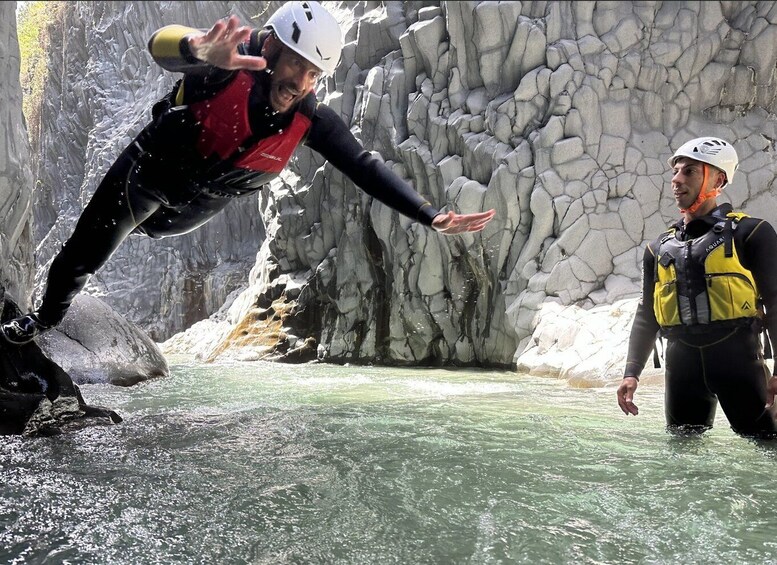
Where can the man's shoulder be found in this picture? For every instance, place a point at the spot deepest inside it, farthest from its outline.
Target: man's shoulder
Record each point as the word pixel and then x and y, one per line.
pixel 727 211
pixel 323 111
pixel 752 230
pixel 745 221
pixel 325 118
pixel 654 245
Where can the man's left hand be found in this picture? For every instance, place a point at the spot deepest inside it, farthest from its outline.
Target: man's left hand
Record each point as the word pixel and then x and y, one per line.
pixel 453 223
pixel 218 47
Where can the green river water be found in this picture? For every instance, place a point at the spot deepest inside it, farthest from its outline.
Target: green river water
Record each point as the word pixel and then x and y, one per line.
pixel 266 463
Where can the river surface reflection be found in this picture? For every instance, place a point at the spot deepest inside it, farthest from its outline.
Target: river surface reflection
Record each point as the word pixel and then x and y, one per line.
pixel 266 463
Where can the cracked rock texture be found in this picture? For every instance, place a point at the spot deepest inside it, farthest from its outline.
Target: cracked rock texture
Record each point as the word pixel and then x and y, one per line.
pixel 17 266
pixel 560 115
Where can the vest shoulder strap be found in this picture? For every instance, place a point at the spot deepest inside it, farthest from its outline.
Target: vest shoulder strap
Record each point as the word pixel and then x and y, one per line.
pixel 659 242
pixel 737 216
pixel 666 236
pixel 727 225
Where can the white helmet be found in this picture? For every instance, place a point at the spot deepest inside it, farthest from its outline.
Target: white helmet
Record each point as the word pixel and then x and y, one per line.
pixel 711 150
pixel 311 31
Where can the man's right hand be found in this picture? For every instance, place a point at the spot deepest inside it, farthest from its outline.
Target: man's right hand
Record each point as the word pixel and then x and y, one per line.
pixel 626 396
pixel 451 223
pixel 218 47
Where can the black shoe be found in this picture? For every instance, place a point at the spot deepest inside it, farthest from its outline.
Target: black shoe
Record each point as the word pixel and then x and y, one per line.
pixel 23 330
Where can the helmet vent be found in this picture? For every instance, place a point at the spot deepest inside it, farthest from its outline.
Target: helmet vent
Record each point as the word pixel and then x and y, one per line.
pixel 308 11
pixel 709 147
pixel 295 34
pixel 711 150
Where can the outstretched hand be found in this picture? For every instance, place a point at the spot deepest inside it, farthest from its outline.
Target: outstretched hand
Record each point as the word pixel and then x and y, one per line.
pixel 218 47
pixel 626 395
pixel 453 223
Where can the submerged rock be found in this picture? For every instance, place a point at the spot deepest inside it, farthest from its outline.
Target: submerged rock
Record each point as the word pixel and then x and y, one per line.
pixel 37 397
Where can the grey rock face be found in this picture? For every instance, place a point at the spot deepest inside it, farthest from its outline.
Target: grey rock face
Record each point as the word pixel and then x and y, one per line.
pixel 94 344
pixel 16 245
pixel 38 397
pixel 561 116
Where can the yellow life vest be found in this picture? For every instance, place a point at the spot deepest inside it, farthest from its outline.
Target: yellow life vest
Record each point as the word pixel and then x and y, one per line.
pixel 701 280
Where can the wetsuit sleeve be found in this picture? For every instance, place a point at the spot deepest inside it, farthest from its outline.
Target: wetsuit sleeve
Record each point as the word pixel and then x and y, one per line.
pixel 759 256
pixel 645 327
pixel 331 137
pixel 169 46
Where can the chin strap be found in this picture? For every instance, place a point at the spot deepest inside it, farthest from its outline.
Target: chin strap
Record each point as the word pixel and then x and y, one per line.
pixel 704 195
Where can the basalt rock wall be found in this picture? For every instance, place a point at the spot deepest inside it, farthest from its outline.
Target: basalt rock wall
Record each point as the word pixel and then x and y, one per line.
pixel 16 241
pixel 560 115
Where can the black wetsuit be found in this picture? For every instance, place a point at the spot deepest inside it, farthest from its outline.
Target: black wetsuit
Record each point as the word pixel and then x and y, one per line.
pixel 161 186
pixel 717 361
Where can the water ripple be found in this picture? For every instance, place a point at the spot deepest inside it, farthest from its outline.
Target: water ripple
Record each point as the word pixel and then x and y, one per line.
pixel 266 464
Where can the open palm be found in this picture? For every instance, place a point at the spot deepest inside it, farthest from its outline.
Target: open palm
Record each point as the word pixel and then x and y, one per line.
pixel 218 46
pixel 453 223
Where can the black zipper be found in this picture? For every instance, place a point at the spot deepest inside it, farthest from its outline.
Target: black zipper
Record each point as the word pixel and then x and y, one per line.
pixel 686 268
pixel 735 275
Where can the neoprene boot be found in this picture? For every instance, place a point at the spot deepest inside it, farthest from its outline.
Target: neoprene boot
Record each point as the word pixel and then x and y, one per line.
pixel 23 330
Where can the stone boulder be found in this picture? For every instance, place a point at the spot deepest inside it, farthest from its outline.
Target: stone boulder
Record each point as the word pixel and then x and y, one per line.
pixel 585 347
pixel 94 344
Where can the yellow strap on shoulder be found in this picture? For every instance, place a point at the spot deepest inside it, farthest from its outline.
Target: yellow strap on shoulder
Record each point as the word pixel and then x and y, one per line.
pixel 166 42
pixel 736 216
pixel 179 95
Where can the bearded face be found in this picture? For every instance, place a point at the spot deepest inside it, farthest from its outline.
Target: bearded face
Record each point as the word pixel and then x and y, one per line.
pixel 292 76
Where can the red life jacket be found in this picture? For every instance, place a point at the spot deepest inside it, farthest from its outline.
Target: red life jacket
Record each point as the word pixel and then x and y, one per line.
pixel 226 126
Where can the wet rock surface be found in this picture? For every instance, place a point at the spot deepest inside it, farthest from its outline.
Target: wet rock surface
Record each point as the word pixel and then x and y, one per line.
pixel 37 397
pixel 95 344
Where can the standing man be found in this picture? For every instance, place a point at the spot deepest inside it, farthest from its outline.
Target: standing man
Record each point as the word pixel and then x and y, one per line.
pixel 230 125
pixel 703 282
